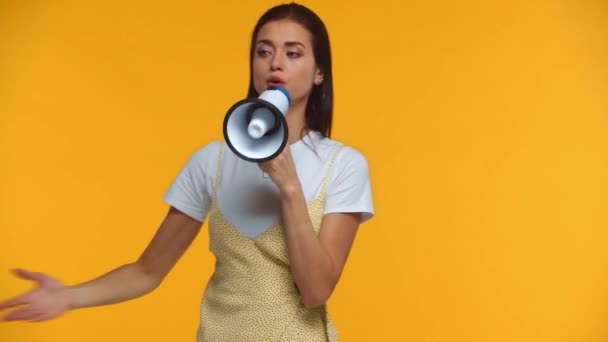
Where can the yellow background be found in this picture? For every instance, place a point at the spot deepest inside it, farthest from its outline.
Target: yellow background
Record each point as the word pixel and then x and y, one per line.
pixel 484 123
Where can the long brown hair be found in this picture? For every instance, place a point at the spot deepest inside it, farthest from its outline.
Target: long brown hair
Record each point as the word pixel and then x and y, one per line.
pixel 319 108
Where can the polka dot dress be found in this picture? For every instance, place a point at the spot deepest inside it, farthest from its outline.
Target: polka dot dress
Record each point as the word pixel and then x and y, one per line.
pixel 251 295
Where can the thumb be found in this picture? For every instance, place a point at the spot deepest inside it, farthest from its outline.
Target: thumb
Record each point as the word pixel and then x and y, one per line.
pixel 35 276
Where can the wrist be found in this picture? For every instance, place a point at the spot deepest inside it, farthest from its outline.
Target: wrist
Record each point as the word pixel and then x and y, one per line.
pixel 69 295
pixel 291 190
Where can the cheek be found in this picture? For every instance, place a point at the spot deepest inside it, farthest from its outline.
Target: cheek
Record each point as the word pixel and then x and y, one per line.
pixel 305 80
pixel 258 78
pixel 255 68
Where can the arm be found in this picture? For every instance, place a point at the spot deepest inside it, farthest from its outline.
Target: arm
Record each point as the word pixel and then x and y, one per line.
pixel 316 261
pixel 51 299
pixel 136 279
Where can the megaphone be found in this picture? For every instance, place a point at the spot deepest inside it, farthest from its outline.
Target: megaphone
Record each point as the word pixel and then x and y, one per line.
pixel 255 129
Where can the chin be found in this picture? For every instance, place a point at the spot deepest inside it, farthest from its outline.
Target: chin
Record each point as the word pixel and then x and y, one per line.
pixel 259 90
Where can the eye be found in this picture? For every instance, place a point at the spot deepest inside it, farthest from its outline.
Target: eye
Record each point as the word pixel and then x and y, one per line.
pixel 293 54
pixel 263 52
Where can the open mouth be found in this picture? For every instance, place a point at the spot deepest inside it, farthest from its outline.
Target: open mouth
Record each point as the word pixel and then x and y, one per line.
pixel 275 81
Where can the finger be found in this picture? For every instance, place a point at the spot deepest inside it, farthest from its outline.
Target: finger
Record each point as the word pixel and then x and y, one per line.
pixel 264 166
pixel 20 315
pixel 39 317
pixel 13 302
pixel 35 276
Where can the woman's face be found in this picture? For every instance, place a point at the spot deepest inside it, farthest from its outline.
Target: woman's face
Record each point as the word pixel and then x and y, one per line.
pixel 283 55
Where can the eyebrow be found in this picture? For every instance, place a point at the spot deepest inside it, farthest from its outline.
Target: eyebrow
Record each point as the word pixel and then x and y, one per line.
pixel 269 42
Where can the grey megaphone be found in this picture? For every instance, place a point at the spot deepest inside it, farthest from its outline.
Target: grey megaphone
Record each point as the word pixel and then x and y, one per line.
pixel 255 129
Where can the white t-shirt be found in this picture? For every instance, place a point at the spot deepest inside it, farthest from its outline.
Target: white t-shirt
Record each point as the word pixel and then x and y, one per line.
pixel 250 200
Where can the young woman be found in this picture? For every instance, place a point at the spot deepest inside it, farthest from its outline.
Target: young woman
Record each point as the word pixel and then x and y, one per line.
pixel 280 230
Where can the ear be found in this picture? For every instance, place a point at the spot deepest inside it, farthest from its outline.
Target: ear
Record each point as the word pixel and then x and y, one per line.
pixel 318 77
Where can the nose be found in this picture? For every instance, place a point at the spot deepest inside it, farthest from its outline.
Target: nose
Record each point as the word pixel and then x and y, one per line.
pixel 277 62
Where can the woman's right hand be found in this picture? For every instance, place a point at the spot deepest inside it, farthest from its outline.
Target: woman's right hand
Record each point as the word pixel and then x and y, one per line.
pixel 47 301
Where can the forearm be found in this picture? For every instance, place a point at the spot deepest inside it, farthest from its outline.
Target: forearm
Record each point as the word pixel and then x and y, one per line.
pixel 311 265
pixel 123 283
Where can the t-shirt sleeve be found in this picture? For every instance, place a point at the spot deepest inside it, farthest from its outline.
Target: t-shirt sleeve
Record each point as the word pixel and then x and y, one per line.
pixel 191 190
pixel 349 188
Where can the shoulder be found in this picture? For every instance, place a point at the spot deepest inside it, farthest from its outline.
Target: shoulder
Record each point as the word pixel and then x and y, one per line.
pixel 347 156
pixel 206 157
pixel 353 157
pixel 349 185
pixel 208 151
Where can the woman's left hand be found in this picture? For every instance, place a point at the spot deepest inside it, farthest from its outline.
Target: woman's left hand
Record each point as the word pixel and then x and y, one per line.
pixel 282 171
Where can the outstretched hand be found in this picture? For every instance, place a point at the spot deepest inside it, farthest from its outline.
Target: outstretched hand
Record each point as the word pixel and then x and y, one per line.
pixel 47 301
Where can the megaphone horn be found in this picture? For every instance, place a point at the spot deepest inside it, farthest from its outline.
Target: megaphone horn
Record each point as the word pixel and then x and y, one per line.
pixel 255 129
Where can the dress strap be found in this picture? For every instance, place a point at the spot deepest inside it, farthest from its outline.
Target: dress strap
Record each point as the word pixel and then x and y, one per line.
pixel 218 174
pixel 331 164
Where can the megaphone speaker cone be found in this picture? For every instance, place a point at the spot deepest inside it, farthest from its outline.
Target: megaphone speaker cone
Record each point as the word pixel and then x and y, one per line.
pixel 255 129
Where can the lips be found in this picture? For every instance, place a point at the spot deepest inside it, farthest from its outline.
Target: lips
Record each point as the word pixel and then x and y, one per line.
pixel 275 81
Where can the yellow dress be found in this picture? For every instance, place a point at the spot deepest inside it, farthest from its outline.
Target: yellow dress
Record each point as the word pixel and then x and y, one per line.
pixel 252 295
